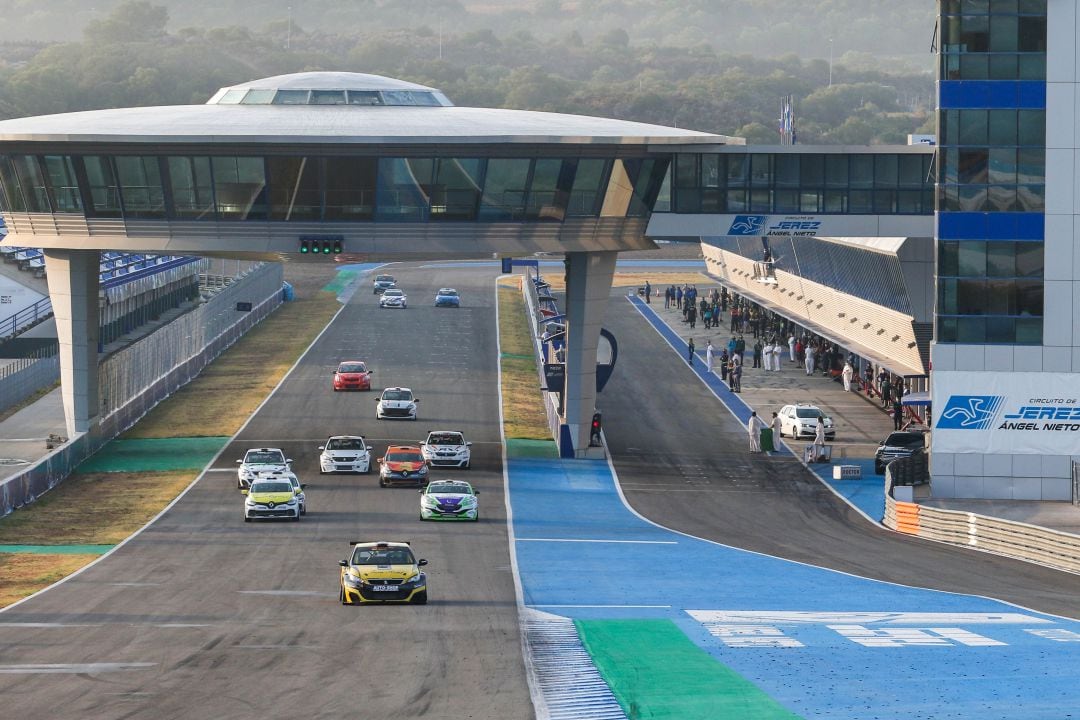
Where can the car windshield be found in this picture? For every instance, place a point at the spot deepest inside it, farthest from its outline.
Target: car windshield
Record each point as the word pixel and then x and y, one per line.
pixel 904 439
pixel 808 413
pixel 272 487
pixel 445 292
pixel 459 488
pixel 445 439
pixel 345 444
pixel 397 395
pixel 384 278
pixel 351 368
pixel 382 556
pixel 393 293
pixel 264 458
pixel 404 456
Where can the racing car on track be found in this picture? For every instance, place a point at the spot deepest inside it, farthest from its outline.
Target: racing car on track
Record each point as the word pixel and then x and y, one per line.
pixel 447 297
pixel 447 448
pixel 383 283
pixel 259 460
pixel 379 572
pixel 396 402
pixel 352 375
pixel 394 298
pixel 402 464
pixel 271 498
pixel 449 500
pixel 345 453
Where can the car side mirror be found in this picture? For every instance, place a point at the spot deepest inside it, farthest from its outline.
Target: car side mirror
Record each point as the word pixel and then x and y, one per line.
pixel 468 443
pixel 243 491
pixel 475 492
pixel 423 444
pixel 322 447
pixel 288 460
pixel 238 462
pixel 421 491
pixel 421 563
pixel 303 485
pixel 416 399
pixel 370 372
pixel 343 563
pixel 378 399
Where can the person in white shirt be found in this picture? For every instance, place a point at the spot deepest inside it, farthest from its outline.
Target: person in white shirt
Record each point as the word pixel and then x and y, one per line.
pixel 819 439
pixel 753 426
pixel 766 356
pixel 848 374
pixel 809 359
pixel 708 357
pixel 791 347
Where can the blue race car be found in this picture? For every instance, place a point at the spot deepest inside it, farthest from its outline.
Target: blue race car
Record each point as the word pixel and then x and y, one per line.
pixel 447 297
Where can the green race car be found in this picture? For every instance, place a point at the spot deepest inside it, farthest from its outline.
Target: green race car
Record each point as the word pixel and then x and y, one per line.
pixel 449 500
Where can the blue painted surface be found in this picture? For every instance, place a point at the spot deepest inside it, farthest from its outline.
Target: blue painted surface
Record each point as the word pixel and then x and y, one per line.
pixel 991 226
pixel 988 94
pixel 662 574
pixel 866 493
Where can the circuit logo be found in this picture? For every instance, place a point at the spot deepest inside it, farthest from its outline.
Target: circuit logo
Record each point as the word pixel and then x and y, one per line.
pixel 748 225
pixel 970 412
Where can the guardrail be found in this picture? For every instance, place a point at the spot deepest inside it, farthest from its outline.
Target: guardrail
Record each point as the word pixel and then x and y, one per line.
pixel 41 310
pixel 1052 548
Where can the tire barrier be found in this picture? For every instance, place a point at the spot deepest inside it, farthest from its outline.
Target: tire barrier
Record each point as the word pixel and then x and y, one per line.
pixel 1044 546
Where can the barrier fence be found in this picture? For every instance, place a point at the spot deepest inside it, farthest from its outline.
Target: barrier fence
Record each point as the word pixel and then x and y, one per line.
pixel 134 380
pixel 1004 537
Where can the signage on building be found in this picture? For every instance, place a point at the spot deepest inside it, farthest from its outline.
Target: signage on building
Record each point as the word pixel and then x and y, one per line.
pixel 775 225
pixel 1011 414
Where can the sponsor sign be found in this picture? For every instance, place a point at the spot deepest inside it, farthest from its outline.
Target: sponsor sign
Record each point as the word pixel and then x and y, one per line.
pixel 775 226
pixel 1006 413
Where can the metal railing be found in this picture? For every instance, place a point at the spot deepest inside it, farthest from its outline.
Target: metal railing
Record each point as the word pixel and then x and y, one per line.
pixel 27 317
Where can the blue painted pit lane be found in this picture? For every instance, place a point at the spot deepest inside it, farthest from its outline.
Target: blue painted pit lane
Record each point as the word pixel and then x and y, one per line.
pixel 820 642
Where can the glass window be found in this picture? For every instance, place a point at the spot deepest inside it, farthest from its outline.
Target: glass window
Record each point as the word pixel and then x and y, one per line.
pixel 294 188
pixel 972 198
pixel 1029 298
pixel 33 183
pixel 1000 329
pixel 760 201
pixel 12 186
pixel 365 97
pixel 974 33
pixel 327 97
pixel 1032 127
pixel 812 171
pixel 862 171
pixel 972 165
pixel 1003 34
pixel 810 201
pixel 1004 67
pixel 647 175
pixel 738 169
pixel 549 190
pixel 885 202
pixel 425 99
pixel 1032 67
pixel 140 186
pixel 505 188
pixel 911 171
pixel 456 191
pixel 62 182
pixel 663 200
pixel 948 258
pixel 836 171
pixel 1031 34
pixel 946 329
pixel 1001 166
pixel 760 170
pixel 1001 198
pixel 239 187
pixel 860 202
pixel 1003 7
pixel 585 193
pixel 835 201
pixel 971 259
pixel 1029 259
pixel 950 127
pixel 1002 127
pixel 1001 259
pixel 971 297
pixel 103 188
pixel 947 297
pixel 1029 331
pixel 1031 166
pixel 972 127
pixel 232 97
pixel 786 170
pixel 351 188
pixel 885 171
pixel 403 189
pixel 786 201
pixel 398 97
pixel 686 170
pixel 711 166
pixel 1031 198
pixel 971 330
pixel 192 187
pixel 258 97
pixel 291 97
pixel 737 200
pixel 974 66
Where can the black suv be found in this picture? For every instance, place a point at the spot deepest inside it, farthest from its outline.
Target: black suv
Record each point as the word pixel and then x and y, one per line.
pixel 898 445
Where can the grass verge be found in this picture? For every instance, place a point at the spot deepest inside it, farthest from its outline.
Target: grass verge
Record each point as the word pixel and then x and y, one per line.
pixel 105 508
pixel 523 406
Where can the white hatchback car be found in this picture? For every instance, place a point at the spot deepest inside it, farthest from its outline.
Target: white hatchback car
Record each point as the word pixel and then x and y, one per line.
pixel 260 460
pixel 345 453
pixel 396 402
pixel 447 448
pixel 393 298
pixel 800 421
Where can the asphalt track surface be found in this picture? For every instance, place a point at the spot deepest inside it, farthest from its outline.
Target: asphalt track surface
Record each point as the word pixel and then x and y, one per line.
pixel 205 616
pixel 682 460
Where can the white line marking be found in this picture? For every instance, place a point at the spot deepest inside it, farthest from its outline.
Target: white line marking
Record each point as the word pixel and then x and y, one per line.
pixel 863 618
pixel 576 540
pixel 70 668
pixel 287 593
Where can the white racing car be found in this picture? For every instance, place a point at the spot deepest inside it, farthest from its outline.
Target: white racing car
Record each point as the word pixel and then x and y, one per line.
pixel 260 460
pixel 345 453
pixel 393 298
pixel 447 448
pixel 396 402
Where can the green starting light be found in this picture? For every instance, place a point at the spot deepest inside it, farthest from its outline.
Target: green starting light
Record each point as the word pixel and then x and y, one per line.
pixel 337 247
pixel 326 248
pixel 305 247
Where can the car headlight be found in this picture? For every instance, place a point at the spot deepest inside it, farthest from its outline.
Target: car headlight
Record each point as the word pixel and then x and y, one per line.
pixel 414 579
pixel 423 470
pixel 291 501
pixel 428 501
pixel 250 503
pixel 468 501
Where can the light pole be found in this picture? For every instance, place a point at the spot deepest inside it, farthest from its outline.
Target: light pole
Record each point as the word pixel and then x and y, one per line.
pixel 830 62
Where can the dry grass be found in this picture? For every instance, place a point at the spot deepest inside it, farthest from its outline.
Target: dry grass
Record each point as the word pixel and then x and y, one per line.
pixel 523 403
pixel 25 574
pixel 121 503
pixel 658 279
pixel 245 374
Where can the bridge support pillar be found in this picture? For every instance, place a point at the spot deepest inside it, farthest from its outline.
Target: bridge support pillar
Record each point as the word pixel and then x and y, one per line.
pixel 588 286
pixel 73 288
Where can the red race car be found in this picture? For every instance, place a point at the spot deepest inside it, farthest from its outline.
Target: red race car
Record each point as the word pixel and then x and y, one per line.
pixel 402 464
pixel 352 375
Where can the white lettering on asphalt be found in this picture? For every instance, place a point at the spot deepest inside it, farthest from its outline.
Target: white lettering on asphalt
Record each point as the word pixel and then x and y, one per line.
pixel 1057 635
pixel 864 618
pixel 757 636
pixel 903 637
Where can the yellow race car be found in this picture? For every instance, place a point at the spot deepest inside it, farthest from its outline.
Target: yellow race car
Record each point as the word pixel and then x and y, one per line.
pixel 271 497
pixel 380 572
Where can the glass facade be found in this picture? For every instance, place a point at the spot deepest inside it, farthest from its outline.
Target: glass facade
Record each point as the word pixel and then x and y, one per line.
pixel 992 171
pixel 338 188
pixel 856 184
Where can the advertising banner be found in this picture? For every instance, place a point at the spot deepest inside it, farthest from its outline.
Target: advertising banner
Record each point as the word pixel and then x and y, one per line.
pixel 1006 413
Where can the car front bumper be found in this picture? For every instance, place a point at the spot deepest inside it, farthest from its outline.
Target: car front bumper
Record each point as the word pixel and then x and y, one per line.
pixel 404 478
pixel 369 592
pixel 353 466
pixel 453 461
pixel 281 511
pixel 437 514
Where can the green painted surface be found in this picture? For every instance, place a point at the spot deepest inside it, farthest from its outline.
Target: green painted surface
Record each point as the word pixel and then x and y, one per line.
pixel 655 671
pixel 57 549
pixel 516 448
pixel 519 357
pixel 341 281
pixel 154 455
